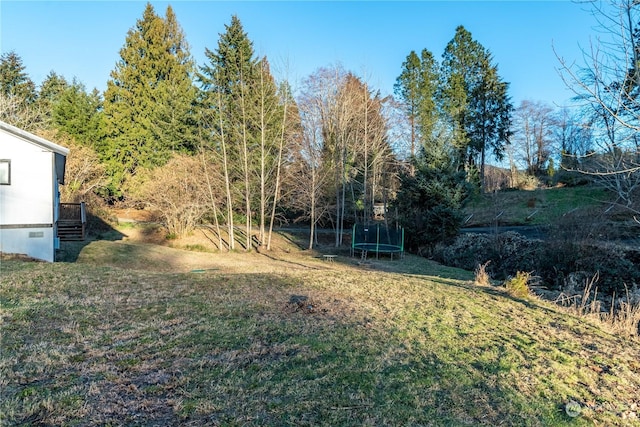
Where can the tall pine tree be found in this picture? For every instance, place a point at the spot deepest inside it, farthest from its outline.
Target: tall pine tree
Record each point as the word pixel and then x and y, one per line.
pixel 417 87
pixel 18 96
pixel 430 81
pixel 491 108
pixel 460 73
pixel 14 81
pixel 148 104
pixel 227 81
pixel 51 89
pixel 408 89
pixel 476 101
pixel 78 113
pixel 175 124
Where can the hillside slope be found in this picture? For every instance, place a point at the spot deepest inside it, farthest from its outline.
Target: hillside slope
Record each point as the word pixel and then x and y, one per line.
pixel 537 207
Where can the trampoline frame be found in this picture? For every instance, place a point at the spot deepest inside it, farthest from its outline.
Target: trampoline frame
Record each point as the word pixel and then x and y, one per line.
pixel 377 247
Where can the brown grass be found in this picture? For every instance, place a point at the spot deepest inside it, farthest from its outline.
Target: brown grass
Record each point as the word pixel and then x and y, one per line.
pixel 623 317
pixel 482 277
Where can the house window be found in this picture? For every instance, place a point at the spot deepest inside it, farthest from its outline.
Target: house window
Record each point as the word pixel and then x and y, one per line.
pixel 5 172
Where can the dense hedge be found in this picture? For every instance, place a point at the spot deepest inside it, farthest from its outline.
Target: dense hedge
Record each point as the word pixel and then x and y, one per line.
pixel 554 262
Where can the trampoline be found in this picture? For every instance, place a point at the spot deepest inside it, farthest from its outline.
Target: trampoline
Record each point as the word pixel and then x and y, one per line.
pixel 377 238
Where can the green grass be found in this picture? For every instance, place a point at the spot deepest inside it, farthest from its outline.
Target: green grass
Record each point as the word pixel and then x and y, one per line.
pixel 536 207
pixel 398 343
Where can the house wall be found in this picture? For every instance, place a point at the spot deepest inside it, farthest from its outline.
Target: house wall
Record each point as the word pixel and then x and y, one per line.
pixel 27 205
pixel 34 242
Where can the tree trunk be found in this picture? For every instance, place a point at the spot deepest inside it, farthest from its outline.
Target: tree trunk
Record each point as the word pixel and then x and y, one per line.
pixel 278 168
pixel 263 154
pixel 227 180
pixel 313 207
pixel 245 161
pixel 211 198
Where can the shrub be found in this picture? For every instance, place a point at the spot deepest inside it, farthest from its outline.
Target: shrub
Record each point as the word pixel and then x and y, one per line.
pixel 556 262
pixel 508 252
pixel 616 265
pixel 429 205
pixel 466 251
pixel 518 286
pixel 528 182
pixel 177 191
pixel 623 315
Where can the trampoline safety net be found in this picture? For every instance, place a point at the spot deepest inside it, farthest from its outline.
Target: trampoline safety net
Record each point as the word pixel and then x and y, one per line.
pixel 377 238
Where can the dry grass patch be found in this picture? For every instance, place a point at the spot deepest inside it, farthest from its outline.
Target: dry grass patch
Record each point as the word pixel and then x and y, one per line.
pixel 482 277
pixel 295 341
pixel 623 317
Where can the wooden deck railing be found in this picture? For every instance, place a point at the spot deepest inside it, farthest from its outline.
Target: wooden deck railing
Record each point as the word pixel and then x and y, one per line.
pixel 73 212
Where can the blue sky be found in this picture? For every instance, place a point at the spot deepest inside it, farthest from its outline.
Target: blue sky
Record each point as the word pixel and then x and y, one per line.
pixel 82 38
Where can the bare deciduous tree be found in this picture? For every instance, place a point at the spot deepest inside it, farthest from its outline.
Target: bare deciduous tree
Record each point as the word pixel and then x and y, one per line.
pixel 572 132
pixel 290 136
pixel 177 192
pixel 311 174
pixel 84 173
pixel 27 116
pixel 323 95
pixel 206 158
pixel 533 128
pixel 345 153
pixel 607 86
pixel 215 157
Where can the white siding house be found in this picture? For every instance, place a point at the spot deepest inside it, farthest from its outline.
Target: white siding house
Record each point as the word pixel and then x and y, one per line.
pixel 31 168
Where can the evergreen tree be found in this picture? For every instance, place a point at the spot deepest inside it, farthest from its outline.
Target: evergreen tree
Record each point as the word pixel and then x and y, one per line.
pixel 78 113
pixel 430 82
pixel 475 100
pixel 429 203
pixel 491 110
pixel 232 64
pixel 18 96
pixel 417 87
pixel 175 122
pixel 148 104
pixel 407 88
pixel 51 88
pixel 50 91
pixel 460 73
pixel 14 81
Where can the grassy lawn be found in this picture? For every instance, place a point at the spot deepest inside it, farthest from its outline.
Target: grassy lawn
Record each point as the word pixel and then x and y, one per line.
pixel 130 335
pixel 536 207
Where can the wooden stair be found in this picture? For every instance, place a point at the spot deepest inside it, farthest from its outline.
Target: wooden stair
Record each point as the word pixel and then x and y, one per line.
pixel 70 230
pixel 72 221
